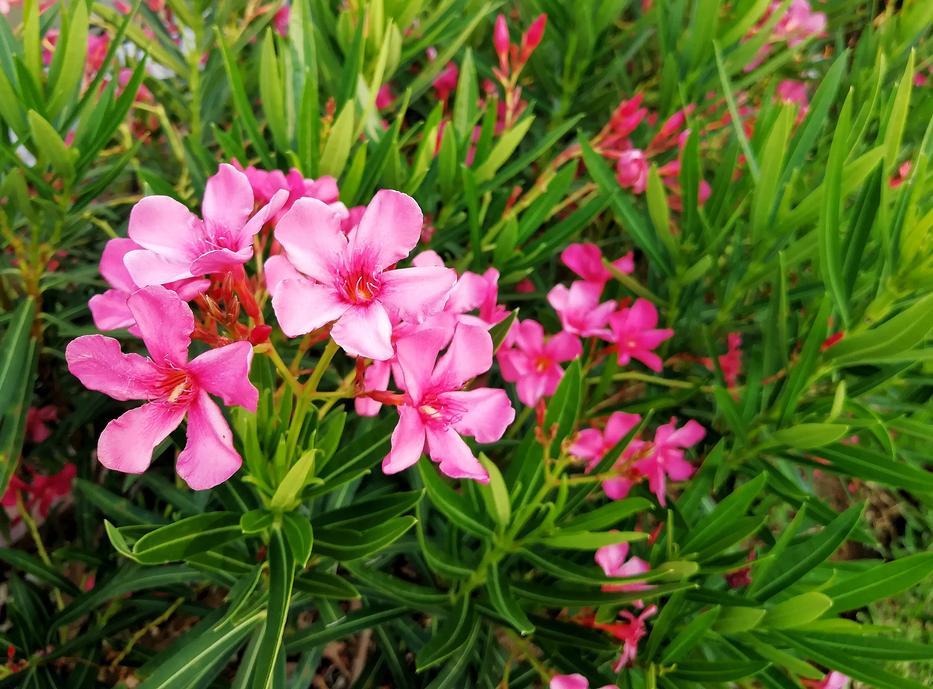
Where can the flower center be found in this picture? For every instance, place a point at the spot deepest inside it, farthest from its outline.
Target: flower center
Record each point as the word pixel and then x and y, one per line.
pixel 438 412
pixel 542 363
pixel 176 386
pixel 358 281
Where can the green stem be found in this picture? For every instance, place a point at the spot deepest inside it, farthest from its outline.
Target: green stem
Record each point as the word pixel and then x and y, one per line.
pixel 321 366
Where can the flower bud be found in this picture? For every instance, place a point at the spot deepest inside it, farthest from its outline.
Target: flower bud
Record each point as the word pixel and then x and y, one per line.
pixel 632 170
pixel 500 37
pixel 532 38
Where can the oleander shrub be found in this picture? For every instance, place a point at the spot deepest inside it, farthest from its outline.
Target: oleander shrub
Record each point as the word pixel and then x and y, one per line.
pixel 454 344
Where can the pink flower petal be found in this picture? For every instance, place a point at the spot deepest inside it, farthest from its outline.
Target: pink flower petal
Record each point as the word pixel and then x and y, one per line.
pixel 225 372
pixel 390 226
pixel 564 347
pixel 454 456
pixel 365 331
pixel 220 261
pixel 488 413
pixel 228 198
pixel 99 364
pixel 575 681
pixel 416 354
pixel 263 215
pixel 376 377
pixel 469 355
pixel 619 424
pixel 302 306
pixel 111 264
pixel 311 236
pixel 588 445
pixel 276 269
pixel 150 268
pixel 165 323
pixel 688 435
pixel 427 258
pixel 163 225
pixel 407 442
pixel 110 311
pixel 127 442
pixel 416 293
pixel 208 458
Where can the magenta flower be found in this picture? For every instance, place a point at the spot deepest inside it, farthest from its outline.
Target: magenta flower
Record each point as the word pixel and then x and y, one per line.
pixel 173 388
pixel 586 260
pixel 666 456
pixel 265 184
pixel 574 681
pixel 348 280
pixel 533 362
pixel 832 680
pixel 634 334
pixel 791 91
pixel 730 362
pixel 632 170
pixel 579 309
pixel 437 411
pixel 615 562
pixel 629 633
pixel 176 244
pixel 591 444
pixel 109 309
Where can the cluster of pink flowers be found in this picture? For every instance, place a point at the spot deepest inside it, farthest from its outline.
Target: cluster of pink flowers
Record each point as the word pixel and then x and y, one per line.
pixel 39 493
pixel 574 681
pixel 533 360
pixel 658 460
pixel 332 273
pixel 798 23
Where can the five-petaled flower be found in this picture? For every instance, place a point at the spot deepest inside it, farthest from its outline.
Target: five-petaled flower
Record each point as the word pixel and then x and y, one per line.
pixel 172 387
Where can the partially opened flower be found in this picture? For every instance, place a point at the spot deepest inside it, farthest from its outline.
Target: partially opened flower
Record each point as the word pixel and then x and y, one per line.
pixel 615 562
pixel 666 456
pixel 586 260
pixel 348 280
pixel 629 633
pixel 533 362
pixel 177 244
pixel 173 388
pixel 436 410
pixel 635 335
pixel 591 444
pixel 580 310
pixel 632 170
pixel 831 680
pixel 266 183
pixel 574 681
pixel 109 309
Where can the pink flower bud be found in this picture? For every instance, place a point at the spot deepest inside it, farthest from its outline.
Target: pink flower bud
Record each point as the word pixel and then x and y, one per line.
pixel 535 33
pixel 632 170
pixel 500 37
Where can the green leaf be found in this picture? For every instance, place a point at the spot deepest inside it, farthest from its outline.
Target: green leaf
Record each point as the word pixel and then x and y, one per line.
pixel 495 494
pixel 466 97
pixel 281 578
pixel 256 521
pixel 187 537
pixel 767 191
pixel 17 371
pixel 451 634
pixel 734 620
pixel 395 589
pixel 718 671
pixel 564 407
pixel 51 147
pixel 831 258
pixel 325 585
pixel 875 466
pixel 871 646
pixel 32 565
pixel 452 505
pixel 322 633
pixel 689 636
pixel 607 516
pixel 801 558
pixel 809 435
pixel 300 537
pixel 370 512
pixel 270 91
pixel 337 149
pixel 720 520
pixel 287 492
pixel 504 148
pixel 578 596
pixel 499 331
pixel 658 210
pixel 897 334
pixel 347 544
pixel 797 611
pixel 505 603
pixel 590 540
pixel 882 581
pixel 67 66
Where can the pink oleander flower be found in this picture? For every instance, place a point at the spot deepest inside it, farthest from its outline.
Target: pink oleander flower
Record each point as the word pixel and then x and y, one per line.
pixel 574 681
pixel 446 82
pixel 384 97
pixel 791 91
pixel 37 420
pixel 629 633
pixel 109 309
pixel 665 458
pixel 615 562
pixel 41 492
pixel 632 170
pixel 580 310
pixel 591 444
pixel 178 245
pixel 730 362
pixel 173 388
pixel 635 335
pixel 627 116
pixel 280 21
pixel 437 411
pixel 903 172
pixel 472 292
pixel 533 362
pixel 348 280
pixel 586 260
pixel 832 680
pixel 266 183
pixel 799 23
